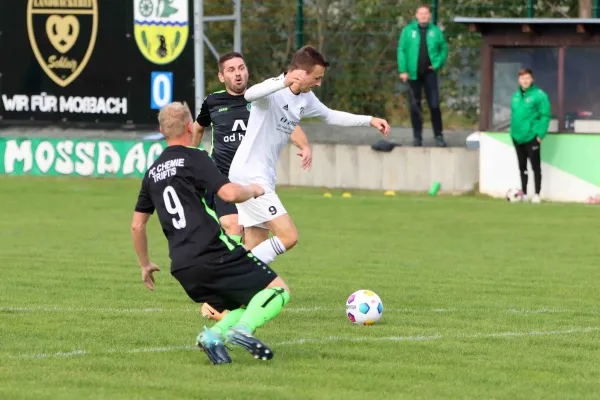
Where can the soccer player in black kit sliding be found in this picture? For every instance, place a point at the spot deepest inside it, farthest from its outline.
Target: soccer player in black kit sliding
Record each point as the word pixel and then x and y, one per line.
pixel 227 112
pixel 207 263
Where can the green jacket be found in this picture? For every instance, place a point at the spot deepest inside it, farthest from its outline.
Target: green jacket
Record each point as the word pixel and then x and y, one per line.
pixel 531 113
pixel 410 42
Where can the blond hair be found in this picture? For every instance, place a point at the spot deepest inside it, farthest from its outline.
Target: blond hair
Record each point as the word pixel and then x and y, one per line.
pixel 174 119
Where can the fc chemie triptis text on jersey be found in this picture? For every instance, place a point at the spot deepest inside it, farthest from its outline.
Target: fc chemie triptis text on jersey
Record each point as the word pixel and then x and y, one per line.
pixel 174 186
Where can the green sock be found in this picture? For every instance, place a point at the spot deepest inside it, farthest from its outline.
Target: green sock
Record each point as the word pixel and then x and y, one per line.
pixel 236 238
pixel 229 320
pixel 263 307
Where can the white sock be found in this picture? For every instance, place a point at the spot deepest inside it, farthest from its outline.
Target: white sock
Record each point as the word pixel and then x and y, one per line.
pixel 268 250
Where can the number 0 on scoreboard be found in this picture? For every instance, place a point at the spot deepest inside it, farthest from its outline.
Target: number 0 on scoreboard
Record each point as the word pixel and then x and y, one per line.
pixel 161 89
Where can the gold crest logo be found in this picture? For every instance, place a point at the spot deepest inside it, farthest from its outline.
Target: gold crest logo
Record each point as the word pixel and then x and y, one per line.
pixel 161 28
pixel 62 34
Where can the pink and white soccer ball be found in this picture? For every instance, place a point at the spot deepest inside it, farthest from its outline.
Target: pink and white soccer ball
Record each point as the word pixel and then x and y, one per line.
pixel 364 307
pixel 514 195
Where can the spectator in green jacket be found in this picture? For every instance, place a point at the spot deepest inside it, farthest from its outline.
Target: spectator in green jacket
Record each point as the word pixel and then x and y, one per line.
pixel 422 51
pixel 530 118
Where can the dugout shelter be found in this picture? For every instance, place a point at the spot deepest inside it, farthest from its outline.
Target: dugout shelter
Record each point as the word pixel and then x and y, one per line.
pixel 564 55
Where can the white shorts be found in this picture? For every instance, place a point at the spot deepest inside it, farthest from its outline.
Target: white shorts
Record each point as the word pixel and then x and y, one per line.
pixel 255 212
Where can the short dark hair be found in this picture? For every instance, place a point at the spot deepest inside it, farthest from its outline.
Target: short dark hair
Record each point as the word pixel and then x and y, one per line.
pixel 525 71
pixel 307 58
pixel 229 56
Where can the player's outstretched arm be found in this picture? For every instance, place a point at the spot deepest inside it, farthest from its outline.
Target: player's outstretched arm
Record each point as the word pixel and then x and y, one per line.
pixel 235 193
pixel 381 125
pixel 264 89
pixel 342 118
pixel 140 243
pixel 272 85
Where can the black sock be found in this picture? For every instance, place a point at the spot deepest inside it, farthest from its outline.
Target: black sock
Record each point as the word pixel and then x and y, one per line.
pixel 524 180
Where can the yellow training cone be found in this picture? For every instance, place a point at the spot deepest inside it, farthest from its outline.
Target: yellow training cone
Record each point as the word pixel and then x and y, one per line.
pixel 346 194
pixel 389 193
pixel 327 194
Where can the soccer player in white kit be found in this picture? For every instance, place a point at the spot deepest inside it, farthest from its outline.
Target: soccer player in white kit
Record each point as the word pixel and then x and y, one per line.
pixel 277 106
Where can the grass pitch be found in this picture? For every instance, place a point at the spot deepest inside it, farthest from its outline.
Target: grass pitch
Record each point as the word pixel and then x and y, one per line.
pixel 482 300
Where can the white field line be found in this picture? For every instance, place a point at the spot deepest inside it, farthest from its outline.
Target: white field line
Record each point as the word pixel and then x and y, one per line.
pixel 18 309
pixel 158 310
pixel 328 339
pixel 544 311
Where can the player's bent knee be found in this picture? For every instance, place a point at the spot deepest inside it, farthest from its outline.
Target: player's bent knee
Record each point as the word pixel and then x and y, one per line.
pixel 289 238
pixel 230 225
pixel 233 229
pixel 253 236
pixel 283 227
pixel 279 283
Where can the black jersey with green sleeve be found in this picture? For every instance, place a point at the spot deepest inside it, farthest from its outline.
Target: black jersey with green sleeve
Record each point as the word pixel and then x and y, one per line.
pixel 174 187
pixel 228 115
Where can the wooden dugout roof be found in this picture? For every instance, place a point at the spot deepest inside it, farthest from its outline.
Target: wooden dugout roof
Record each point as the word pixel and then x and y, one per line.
pixel 528 32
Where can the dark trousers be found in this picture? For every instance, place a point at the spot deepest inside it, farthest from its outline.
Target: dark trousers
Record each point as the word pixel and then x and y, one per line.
pixel 531 151
pixel 429 82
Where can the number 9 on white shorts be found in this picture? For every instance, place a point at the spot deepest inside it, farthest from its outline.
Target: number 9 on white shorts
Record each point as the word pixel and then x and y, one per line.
pixel 255 212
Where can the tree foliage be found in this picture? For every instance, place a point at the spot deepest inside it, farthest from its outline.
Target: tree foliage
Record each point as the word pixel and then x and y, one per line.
pixel 360 38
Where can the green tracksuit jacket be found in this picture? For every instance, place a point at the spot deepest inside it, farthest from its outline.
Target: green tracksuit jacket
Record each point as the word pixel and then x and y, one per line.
pixel 531 113
pixel 409 44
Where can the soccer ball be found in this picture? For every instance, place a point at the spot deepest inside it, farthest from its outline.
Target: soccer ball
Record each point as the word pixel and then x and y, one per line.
pixel 364 307
pixel 514 195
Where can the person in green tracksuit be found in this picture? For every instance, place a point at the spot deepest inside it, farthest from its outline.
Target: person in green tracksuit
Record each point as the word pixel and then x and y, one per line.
pixel 422 51
pixel 530 118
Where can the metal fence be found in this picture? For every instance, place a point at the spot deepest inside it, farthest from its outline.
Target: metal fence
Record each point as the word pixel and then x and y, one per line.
pixel 360 38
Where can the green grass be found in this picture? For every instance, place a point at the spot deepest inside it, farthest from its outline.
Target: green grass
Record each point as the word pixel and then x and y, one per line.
pixel 482 300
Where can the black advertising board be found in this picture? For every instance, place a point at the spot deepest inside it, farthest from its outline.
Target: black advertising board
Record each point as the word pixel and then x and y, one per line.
pixel 94 62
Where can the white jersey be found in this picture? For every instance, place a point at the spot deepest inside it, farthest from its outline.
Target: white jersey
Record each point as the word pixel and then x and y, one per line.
pixel 275 112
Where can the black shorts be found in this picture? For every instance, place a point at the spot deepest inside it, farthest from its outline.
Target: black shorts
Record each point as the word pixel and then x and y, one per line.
pixel 227 284
pixel 220 206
